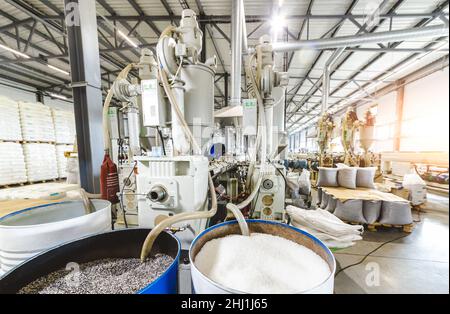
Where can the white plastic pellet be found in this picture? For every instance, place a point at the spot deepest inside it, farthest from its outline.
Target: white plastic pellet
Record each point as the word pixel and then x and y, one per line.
pixel 261 263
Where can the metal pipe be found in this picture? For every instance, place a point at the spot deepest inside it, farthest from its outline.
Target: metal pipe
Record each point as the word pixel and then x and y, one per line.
pixel 133 131
pixel 326 77
pixel 244 28
pixel 236 53
pixel 370 38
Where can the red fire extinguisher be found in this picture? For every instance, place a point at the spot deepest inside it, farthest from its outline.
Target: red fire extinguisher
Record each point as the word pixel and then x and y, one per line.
pixel 109 180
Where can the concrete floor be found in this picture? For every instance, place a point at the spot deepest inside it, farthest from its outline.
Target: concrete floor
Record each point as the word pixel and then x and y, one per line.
pixel 418 263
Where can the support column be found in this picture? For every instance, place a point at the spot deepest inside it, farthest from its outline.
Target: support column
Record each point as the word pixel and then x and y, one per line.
pixel 39 96
pixel 399 116
pixel 81 23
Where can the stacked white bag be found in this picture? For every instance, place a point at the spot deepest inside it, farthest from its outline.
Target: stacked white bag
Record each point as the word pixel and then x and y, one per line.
pixel 10 129
pixel 40 161
pixel 61 159
pixel 12 164
pixel 64 121
pixel 37 122
pixel 325 226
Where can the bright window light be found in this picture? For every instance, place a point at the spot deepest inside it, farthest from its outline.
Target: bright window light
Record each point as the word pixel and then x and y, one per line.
pixel 278 23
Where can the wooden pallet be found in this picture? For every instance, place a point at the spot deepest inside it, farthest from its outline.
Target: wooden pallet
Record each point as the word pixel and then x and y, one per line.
pixel 15 185
pixel 7 186
pixel 5 141
pixel 38 142
pixel 373 227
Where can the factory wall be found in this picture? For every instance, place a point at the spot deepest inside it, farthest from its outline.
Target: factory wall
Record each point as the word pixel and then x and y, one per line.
pixel 425 123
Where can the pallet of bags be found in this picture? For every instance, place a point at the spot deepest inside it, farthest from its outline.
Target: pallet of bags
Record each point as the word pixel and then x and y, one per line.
pixel 37 122
pixel 61 159
pixel 12 164
pixel 64 122
pixel 40 161
pixel 10 129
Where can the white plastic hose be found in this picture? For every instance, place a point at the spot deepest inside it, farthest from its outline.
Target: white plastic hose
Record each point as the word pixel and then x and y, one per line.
pixel 236 209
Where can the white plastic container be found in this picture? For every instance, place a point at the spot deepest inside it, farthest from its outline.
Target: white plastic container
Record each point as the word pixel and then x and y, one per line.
pixel 31 231
pixel 203 285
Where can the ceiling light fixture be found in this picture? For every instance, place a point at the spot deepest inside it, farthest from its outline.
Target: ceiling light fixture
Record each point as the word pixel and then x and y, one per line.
pixel 128 39
pixel 14 51
pixel 62 97
pixel 58 69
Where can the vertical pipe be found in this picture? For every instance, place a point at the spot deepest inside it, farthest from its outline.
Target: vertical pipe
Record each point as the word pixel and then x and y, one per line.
pixel 236 53
pixel 181 145
pixel 133 131
pixel 399 115
pixel 244 27
pixel 226 88
pixel 326 78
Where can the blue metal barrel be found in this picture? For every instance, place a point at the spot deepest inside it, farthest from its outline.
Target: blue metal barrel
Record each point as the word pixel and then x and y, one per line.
pixel 116 244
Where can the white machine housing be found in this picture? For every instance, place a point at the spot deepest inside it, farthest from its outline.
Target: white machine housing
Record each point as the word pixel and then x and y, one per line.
pixel 182 181
pixel 269 203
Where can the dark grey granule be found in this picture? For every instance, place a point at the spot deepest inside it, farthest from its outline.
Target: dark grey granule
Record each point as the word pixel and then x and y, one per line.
pixel 107 276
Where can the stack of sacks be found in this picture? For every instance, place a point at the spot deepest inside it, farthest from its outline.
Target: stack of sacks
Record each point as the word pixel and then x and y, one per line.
pixel 347 177
pixel 40 161
pixel 61 159
pixel 10 122
pixel 12 164
pixel 37 122
pixel 325 226
pixel 64 121
pixel 355 210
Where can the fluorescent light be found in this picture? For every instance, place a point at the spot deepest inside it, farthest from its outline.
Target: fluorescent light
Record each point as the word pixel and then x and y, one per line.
pixel 280 3
pixel 121 34
pixel 15 51
pixel 58 96
pixel 127 38
pixel 58 69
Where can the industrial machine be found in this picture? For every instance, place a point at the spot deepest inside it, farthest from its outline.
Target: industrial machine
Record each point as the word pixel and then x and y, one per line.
pixel 268 177
pixel 349 127
pixel 325 129
pixel 170 151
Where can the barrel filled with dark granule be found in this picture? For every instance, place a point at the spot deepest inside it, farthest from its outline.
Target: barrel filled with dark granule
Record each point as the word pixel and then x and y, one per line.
pixel 106 263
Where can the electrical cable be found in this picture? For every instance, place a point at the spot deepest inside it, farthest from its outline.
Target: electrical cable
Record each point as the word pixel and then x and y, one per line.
pixel 162 140
pixel 370 253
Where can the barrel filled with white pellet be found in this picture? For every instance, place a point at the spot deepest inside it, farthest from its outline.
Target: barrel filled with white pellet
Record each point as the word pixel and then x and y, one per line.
pixel 276 258
pixel 28 232
pixel 105 263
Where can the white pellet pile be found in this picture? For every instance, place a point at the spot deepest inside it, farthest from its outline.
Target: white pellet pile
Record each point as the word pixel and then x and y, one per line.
pixel 61 159
pixel 40 161
pixel 64 121
pixel 12 164
pixel 261 263
pixel 10 129
pixel 37 122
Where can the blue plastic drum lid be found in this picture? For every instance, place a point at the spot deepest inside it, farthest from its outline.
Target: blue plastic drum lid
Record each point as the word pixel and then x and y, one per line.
pixel 116 244
pixel 202 284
